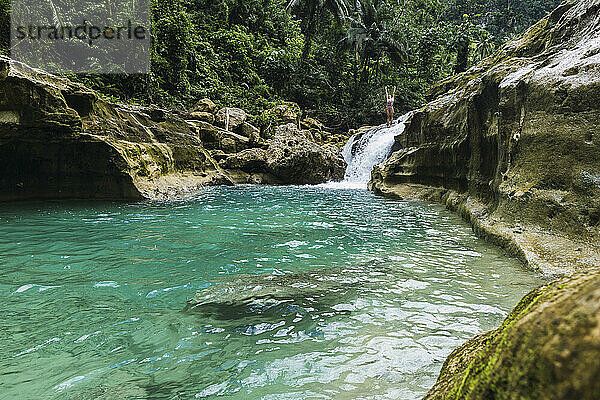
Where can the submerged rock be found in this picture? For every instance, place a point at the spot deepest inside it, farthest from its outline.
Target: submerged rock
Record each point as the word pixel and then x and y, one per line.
pixel 291 158
pixel 512 144
pixel 256 294
pixel 547 348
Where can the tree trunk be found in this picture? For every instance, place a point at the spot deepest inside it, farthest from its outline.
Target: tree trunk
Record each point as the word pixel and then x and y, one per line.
pixel 309 31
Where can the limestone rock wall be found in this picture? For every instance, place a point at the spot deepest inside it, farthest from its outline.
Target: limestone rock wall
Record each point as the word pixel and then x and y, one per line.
pixel 513 143
pixel 59 139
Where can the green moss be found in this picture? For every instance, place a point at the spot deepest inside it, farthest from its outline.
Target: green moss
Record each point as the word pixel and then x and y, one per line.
pixel 480 371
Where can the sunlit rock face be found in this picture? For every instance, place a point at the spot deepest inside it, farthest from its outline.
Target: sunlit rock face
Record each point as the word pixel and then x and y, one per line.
pixel 60 140
pixel 291 157
pixel 513 143
pixel 547 348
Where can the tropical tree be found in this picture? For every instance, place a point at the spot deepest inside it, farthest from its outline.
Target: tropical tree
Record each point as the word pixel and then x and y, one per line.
pixel 370 37
pixel 484 47
pixel 463 36
pixel 311 11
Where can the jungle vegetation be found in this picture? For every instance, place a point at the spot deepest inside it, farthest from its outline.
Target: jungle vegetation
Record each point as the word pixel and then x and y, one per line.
pixel 332 57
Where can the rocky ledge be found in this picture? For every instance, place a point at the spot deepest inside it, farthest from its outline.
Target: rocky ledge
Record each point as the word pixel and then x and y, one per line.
pixel 512 144
pixel 547 348
pixel 59 139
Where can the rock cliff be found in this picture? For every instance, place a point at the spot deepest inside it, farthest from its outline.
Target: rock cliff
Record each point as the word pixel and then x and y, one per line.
pixel 512 144
pixel 59 139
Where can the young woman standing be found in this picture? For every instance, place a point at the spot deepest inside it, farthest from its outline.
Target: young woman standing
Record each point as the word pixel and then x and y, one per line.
pixel 390 106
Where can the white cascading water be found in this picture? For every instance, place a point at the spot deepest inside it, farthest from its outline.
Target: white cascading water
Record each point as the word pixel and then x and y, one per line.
pixel 367 149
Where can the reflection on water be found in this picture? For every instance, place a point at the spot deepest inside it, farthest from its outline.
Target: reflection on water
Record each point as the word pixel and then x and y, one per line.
pixel 302 293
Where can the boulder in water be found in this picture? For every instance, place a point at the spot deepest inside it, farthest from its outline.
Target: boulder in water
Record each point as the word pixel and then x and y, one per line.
pixel 291 158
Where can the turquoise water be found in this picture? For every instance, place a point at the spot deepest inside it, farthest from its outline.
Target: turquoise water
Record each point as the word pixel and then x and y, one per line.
pixel 375 294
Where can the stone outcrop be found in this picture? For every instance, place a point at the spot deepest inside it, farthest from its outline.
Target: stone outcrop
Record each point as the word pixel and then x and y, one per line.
pixel 286 113
pixel 201 116
pixel 214 138
pixel 59 139
pixel 291 158
pixel 512 144
pixel 236 116
pixel 205 106
pixel 547 348
pixel 250 131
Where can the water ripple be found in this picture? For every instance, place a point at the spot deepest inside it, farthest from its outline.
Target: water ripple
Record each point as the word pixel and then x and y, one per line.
pixel 304 292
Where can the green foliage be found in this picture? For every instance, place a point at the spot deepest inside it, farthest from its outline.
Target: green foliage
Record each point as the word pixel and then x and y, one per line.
pixel 311 12
pixel 332 57
pixel 4 26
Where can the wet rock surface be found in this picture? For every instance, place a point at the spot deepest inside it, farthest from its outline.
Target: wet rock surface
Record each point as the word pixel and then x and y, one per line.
pixel 291 158
pixel 511 144
pixel 547 348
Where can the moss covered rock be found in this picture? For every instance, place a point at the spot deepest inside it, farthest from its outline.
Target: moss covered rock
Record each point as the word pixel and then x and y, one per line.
pixel 205 106
pixel 59 139
pixel 201 116
pixel 547 348
pixel 291 158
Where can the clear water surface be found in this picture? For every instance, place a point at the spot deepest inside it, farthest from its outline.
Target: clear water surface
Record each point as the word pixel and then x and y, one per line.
pixel 93 296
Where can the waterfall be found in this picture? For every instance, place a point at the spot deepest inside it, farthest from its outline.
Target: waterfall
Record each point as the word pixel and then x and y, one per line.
pixel 367 149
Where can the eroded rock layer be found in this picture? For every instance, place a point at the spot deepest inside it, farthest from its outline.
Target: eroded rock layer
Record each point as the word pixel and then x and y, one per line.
pixel 513 145
pixel 59 139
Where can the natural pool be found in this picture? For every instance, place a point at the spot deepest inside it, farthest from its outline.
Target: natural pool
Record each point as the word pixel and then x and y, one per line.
pixel 93 293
